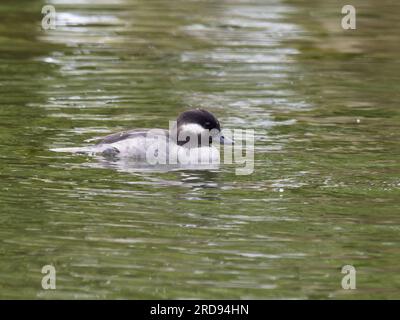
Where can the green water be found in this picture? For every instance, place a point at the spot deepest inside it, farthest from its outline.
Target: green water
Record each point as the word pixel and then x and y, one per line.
pixel 324 103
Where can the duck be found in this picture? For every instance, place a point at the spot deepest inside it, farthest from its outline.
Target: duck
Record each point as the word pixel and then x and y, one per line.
pixel 191 139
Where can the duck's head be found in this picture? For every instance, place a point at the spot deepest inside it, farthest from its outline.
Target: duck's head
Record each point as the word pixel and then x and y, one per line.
pixel 198 127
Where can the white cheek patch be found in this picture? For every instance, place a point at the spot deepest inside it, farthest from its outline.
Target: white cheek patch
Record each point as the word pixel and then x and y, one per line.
pixel 192 128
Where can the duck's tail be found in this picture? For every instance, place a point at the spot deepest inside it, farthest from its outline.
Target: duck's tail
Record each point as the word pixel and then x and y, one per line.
pixel 78 150
pixel 104 150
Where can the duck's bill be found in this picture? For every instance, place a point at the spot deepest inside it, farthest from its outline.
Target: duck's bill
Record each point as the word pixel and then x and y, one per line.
pixel 225 140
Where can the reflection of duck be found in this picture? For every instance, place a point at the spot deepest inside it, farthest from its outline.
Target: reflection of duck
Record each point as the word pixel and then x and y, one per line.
pixel 191 136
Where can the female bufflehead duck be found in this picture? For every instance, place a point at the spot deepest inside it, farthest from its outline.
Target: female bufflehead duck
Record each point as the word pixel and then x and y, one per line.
pixel 189 141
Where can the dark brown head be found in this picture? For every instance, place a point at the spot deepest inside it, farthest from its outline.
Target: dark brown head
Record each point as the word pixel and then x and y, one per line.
pixel 194 126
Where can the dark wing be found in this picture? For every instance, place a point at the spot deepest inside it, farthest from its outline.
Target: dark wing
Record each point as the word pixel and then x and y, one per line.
pixel 119 136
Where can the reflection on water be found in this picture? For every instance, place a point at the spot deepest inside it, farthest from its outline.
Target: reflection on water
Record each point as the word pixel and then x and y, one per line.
pixel 130 166
pixel 323 103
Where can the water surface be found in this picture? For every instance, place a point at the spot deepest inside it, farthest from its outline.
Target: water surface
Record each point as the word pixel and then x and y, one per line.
pixel 323 103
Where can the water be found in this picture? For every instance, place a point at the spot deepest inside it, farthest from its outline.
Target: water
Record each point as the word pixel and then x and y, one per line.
pixel 322 101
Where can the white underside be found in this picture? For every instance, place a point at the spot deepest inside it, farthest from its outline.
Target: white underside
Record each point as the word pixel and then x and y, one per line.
pixel 160 150
pixel 154 150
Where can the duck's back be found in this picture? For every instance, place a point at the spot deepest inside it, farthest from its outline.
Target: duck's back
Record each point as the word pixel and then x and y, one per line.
pixel 135 143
